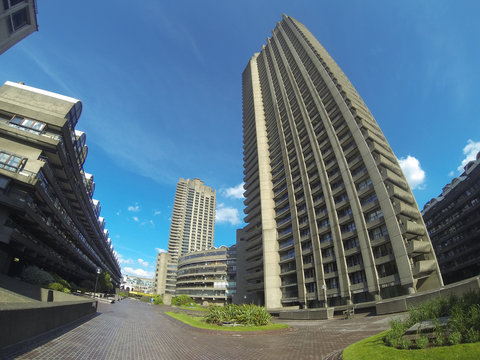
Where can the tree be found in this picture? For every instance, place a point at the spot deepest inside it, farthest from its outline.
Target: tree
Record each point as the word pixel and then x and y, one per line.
pixel 104 283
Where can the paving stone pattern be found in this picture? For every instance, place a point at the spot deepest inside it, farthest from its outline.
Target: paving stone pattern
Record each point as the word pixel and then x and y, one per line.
pixel 131 329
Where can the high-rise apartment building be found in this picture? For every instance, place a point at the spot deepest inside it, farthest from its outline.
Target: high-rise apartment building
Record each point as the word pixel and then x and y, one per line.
pixel 193 218
pixel 48 217
pixel 330 216
pixel 192 226
pixel 453 222
pixel 18 19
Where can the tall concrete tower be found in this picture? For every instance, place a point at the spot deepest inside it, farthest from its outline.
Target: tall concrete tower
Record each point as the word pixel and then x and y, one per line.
pixel 192 227
pixel 330 217
pixel 193 218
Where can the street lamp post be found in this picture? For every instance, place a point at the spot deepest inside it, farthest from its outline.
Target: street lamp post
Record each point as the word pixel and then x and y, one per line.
pixel 96 281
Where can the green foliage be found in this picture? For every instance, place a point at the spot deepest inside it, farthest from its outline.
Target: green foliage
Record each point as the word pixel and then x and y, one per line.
pixel 463 325
pixel 373 348
pixel 36 276
pixel 404 344
pixel 181 300
pixel 157 300
pixel 394 335
pixel 421 342
pixel 104 284
pixel 199 322
pixel 247 314
pixel 472 336
pixel 122 294
pixel 60 280
pixel 56 286
pixel 455 338
pixel 440 336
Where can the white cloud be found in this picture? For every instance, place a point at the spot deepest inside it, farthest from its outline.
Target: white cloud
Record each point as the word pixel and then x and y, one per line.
pixel 451 173
pixel 160 250
pixel 135 218
pixel 137 272
pixel 143 262
pixel 413 172
pixel 135 208
pixel 470 151
pixel 157 212
pixel 225 214
pixel 235 192
pixel 121 260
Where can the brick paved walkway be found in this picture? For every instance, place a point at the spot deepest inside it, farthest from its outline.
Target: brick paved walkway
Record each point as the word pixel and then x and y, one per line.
pixel 132 329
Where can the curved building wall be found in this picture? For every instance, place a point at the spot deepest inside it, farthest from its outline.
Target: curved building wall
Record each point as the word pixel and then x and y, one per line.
pixel 207 276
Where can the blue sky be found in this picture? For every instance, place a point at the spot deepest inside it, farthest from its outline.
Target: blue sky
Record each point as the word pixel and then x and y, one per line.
pixel 160 83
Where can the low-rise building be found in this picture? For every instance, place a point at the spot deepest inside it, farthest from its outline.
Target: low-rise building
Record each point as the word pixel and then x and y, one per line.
pixel 453 222
pixel 137 283
pixel 208 276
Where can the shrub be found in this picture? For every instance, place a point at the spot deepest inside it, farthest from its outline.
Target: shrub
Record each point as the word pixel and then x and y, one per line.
pixel 247 314
pixel 440 337
pixel 182 300
pixel 421 342
pixel 36 276
pixel 56 286
pixel 472 336
pixel 157 300
pixel 404 343
pixel 60 280
pixel 455 338
pixel 394 335
pixel 463 325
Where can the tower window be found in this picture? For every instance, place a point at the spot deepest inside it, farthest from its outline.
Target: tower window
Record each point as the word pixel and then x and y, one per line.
pixel 11 162
pixel 29 125
pixel 18 20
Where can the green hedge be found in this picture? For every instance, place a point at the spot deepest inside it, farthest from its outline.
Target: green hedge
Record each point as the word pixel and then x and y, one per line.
pixel 463 325
pixel 182 300
pixel 247 314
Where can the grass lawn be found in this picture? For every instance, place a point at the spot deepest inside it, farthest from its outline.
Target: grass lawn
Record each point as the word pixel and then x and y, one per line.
pixel 373 348
pixel 198 322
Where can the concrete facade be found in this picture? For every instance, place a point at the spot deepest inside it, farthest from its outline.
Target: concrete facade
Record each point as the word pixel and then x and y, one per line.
pixel 192 227
pixel 453 222
pixel 331 219
pixel 160 282
pixel 48 216
pixel 208 276
pixel 193 218
pixel 18 19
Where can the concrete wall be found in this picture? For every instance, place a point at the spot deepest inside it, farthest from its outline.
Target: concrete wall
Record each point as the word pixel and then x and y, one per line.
pixel 34 292
pixel 310 314
pixel 27 310
pixel 29 320
pixel 403 303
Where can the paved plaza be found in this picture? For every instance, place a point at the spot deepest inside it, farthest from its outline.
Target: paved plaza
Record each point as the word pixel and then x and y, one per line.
pixel 131 329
